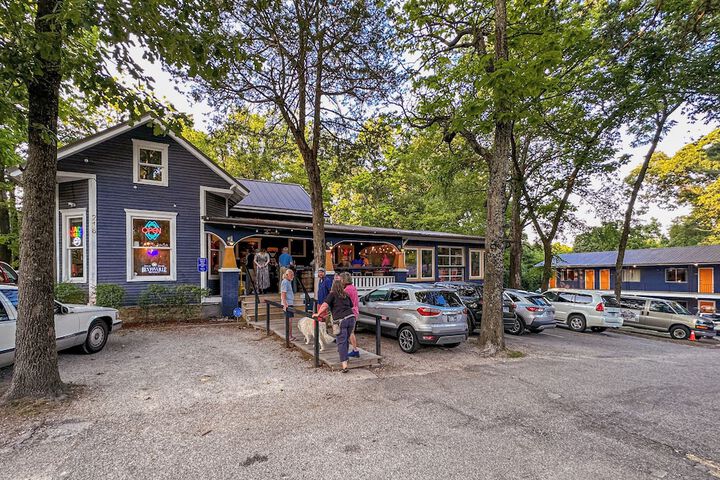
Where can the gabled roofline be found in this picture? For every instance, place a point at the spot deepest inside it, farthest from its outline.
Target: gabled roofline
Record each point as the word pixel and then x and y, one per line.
pixel 112 132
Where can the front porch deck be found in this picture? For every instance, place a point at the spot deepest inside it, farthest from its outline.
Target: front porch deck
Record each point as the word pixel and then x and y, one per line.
pixel 329 357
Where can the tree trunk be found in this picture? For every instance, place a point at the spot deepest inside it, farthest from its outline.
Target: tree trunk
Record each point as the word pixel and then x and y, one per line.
pixel 659 127
pixel 547 265
pixel 491 327
pixel 516 225
pixel 36 371
pixel 318 210
pixel 5 250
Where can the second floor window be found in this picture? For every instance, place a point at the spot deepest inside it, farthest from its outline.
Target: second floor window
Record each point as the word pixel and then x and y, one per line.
pixel 150 162
pixel 676 275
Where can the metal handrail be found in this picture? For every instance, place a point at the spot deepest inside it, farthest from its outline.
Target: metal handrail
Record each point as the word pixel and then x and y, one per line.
pixel 290 313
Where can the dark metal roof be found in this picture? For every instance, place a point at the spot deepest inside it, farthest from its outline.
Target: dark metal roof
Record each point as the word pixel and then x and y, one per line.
pixel 701 254
pixel 349 229
pixel 276 196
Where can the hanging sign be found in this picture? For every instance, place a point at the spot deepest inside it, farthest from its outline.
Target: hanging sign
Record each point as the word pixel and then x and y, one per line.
pixel 152 230
pixel 202 264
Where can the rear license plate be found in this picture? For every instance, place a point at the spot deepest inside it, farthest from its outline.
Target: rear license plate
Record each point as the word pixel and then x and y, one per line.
pixel 451 318
pixel 506 309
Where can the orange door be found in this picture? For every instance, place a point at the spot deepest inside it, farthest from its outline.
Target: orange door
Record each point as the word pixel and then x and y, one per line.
pixel 590 279
pixel 553 281
pixel 605 279
pixel 706 280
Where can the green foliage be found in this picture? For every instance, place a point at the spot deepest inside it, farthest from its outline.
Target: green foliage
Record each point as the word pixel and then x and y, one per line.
pixel 606 237
pixel 109 295
pixel 181 302
pixel 70 293
pixel 691 178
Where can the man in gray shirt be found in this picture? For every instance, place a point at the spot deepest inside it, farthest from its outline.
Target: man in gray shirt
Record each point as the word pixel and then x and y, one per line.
pixel 287 296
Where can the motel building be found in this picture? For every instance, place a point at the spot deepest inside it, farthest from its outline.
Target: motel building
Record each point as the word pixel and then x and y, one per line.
pixel 687 275
pixel 135 208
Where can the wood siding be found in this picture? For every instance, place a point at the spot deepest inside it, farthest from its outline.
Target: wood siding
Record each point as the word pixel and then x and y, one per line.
pixel 112 162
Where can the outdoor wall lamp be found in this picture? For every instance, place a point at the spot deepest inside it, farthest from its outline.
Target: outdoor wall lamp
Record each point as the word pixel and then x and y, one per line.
pixel 71 205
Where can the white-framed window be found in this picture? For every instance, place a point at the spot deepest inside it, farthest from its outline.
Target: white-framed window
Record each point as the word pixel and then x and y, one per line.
pixel 676 275
pixel 215 256
pixel 477 264
pixel 451 264
pixel 150 163
pixel 74 241
pixel 151 247
pixel 420 263
pixel 631 275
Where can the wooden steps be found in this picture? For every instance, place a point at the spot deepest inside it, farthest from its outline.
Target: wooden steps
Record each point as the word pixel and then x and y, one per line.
pixel 329 357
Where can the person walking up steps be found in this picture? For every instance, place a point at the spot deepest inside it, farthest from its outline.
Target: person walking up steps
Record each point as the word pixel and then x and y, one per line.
pixel 353 294
pixel 339 303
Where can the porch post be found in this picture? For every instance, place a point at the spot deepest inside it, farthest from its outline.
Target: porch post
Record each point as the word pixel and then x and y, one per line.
pixel 400 272
pixel 229 281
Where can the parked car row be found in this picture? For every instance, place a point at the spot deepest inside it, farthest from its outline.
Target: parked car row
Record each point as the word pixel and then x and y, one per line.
pixel 446 313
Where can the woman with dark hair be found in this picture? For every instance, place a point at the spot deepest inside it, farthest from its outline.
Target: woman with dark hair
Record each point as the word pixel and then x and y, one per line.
pixel 339 303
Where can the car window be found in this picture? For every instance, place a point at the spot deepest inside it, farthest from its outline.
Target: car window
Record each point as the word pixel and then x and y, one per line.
pixel 566 297
pixel 537 300
pixel 467 292
pixel 399 295
pixel 551 296
pixel 679 308
pixel 513 297
pixel 11 294
pixel 632 303
pixel 444 298
pixel 582 298
pixel 9 272
pixel 378 295
pixel 660 307
pixel 610 301
pixel 4 316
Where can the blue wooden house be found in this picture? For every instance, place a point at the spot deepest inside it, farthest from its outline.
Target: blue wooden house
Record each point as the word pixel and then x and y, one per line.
pixel 136 208
pixel 688 275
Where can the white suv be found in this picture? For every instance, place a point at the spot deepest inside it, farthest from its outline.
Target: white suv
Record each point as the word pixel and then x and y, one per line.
pixel 582 309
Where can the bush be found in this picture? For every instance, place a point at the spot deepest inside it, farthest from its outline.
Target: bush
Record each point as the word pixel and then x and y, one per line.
pixel 70 293
pixel 109 295
pixel 179 301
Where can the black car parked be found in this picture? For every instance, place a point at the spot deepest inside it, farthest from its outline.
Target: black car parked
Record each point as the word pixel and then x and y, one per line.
pixel 472 296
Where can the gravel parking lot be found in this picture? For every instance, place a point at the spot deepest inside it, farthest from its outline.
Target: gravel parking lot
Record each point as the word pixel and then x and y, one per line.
pixel 222 402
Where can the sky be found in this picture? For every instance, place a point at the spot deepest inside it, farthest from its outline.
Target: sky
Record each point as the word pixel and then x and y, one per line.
pixel 684 131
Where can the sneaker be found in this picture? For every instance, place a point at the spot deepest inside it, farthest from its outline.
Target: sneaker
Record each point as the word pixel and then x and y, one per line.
pixel 353 353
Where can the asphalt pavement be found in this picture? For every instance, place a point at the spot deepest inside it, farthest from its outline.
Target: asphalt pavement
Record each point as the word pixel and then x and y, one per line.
pixel 219 402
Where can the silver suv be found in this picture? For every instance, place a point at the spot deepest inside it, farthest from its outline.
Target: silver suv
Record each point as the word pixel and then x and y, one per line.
pixel 582 309
pixel 533 312
pixel 417 314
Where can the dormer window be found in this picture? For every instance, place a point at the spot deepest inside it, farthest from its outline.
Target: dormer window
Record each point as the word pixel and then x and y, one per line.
pixel 150 162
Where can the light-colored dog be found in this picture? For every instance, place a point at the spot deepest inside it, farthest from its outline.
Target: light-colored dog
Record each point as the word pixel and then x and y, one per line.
pixel 306 325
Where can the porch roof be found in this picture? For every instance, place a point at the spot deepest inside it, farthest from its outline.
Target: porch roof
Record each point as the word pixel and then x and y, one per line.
pixel 350 229
pixel 700 255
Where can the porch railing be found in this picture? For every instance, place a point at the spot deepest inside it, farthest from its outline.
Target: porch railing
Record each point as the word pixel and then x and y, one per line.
pixel 365 283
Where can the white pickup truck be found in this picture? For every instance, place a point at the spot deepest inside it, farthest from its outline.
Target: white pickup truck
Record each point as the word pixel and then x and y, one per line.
pixel 75 325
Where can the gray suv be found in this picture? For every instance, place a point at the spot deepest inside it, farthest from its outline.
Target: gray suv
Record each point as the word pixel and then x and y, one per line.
pixel 417 314
pixel 534 313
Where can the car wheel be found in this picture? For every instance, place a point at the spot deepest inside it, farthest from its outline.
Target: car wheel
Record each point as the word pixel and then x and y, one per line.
pixel 577 323
pixel 451 345
pixel 407 339
pixel 679 332
pixel 96 337
pixel 598 329
pixel 517 328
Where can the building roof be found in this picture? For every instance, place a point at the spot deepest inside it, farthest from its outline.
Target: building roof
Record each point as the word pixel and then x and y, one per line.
pixel 348 229
pixel 236 191
pixel 276 196
pixel 701 254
